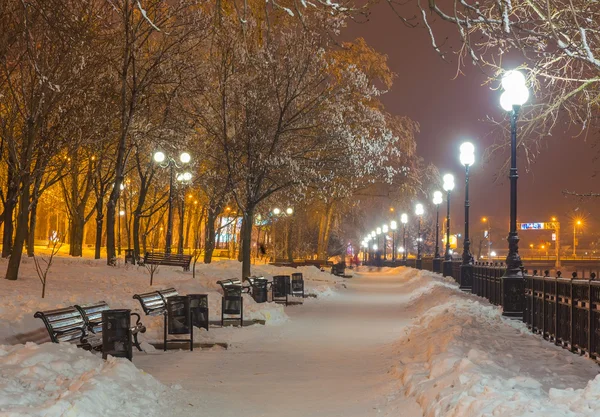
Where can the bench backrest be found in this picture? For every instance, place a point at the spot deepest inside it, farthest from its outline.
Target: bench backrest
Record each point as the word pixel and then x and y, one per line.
pixel 158 257
pixel 63 324
pixel 154 302
pixel 92 315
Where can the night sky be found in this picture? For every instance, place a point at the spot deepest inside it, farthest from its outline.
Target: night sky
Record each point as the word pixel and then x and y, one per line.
pixel 451 109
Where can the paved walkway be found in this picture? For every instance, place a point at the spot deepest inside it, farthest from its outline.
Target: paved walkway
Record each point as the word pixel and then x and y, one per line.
pixel 331 359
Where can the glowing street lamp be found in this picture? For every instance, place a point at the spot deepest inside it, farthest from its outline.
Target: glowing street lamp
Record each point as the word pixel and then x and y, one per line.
pixel 575 224
pixel 419 213
pixel 404 220
pixel 514 96
pixel 448 187
pixel 437 200
pixel 467 158
pixel 167 162
pixel 385 229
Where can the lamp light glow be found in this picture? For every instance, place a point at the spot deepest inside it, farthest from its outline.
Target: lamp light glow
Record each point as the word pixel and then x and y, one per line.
pixel 159 157
pixel 276 211
pixel 437 198
pixel 467 154
pixel 185 157
pixel 385 228
pixel 419 210
pixel 289 211
pixel 448 182
pixel 378 230
pixel 393 225
pixel 404 218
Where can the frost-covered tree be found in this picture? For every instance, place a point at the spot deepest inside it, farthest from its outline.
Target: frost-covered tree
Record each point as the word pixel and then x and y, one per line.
pixel 284 109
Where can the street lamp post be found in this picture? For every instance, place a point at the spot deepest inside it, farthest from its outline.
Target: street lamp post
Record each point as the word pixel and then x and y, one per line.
pixel 183 178
pixel 377 256
pixel 514 96
pixel 447 264
pixel 575 224
pixel 467 158
pixel 419 212
pixel 404 220
pixel 393 226
pixel 437 260
pixel 168 162
pixel 385 230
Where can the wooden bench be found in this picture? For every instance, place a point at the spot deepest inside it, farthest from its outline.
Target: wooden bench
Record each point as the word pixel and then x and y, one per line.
pixel 67 325
pixel 159 258
pixel 92 316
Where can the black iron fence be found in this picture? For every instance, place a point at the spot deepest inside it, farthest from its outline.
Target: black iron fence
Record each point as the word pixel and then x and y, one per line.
pixel 564 311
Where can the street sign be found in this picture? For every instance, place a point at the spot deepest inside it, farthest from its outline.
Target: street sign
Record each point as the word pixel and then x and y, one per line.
pixel 532 226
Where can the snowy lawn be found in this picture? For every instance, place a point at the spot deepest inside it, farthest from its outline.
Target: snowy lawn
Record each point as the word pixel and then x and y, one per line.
pixel 83 280
pixel 395 342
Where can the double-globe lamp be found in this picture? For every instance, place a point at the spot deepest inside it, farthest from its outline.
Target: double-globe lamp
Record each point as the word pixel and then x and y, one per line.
pixel 393 228
pixel 404 220
pixel 161 159
pixel 448 187
pixel 514 96
pixel 437 200
pixel 419 213
pixel 467 158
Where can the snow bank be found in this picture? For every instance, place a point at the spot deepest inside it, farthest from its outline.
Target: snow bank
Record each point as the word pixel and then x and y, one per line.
pixel 60 380
pixel 461 358
pixel 83 280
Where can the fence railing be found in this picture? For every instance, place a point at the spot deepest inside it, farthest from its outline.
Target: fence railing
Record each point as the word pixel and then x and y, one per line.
pixel 564 311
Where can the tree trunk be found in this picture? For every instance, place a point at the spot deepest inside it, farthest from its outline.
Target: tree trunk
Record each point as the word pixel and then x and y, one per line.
pixel 288 240
pixel 76 234
pixel 246 232
pixel 12 272
pixel 324 231
pixel 99 222
pixel 12 194
pixel 209 238
pixel 31 231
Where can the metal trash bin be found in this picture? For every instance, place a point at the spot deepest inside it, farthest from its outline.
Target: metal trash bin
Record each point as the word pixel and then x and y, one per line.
pixel 297 285
pixel 179 320
pixel 259 289
pixel 130 256
pixel 116 334
pixel 199 310
pixel 280 288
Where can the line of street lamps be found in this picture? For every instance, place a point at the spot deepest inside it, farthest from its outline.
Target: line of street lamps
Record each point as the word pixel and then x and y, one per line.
pixel 514 96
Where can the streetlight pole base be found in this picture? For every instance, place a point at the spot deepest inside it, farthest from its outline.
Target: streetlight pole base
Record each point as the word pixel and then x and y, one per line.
pixel 437 264
pixel 447 268
pixel 513 287
pixel 466 277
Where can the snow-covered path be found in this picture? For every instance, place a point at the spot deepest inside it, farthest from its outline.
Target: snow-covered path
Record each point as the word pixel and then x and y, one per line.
pixel 333 358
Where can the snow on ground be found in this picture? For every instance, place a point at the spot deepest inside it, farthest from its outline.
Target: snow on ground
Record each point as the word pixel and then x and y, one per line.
pixel 83 280
pixel 395 342
pixel 461 358
pixel 61 380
